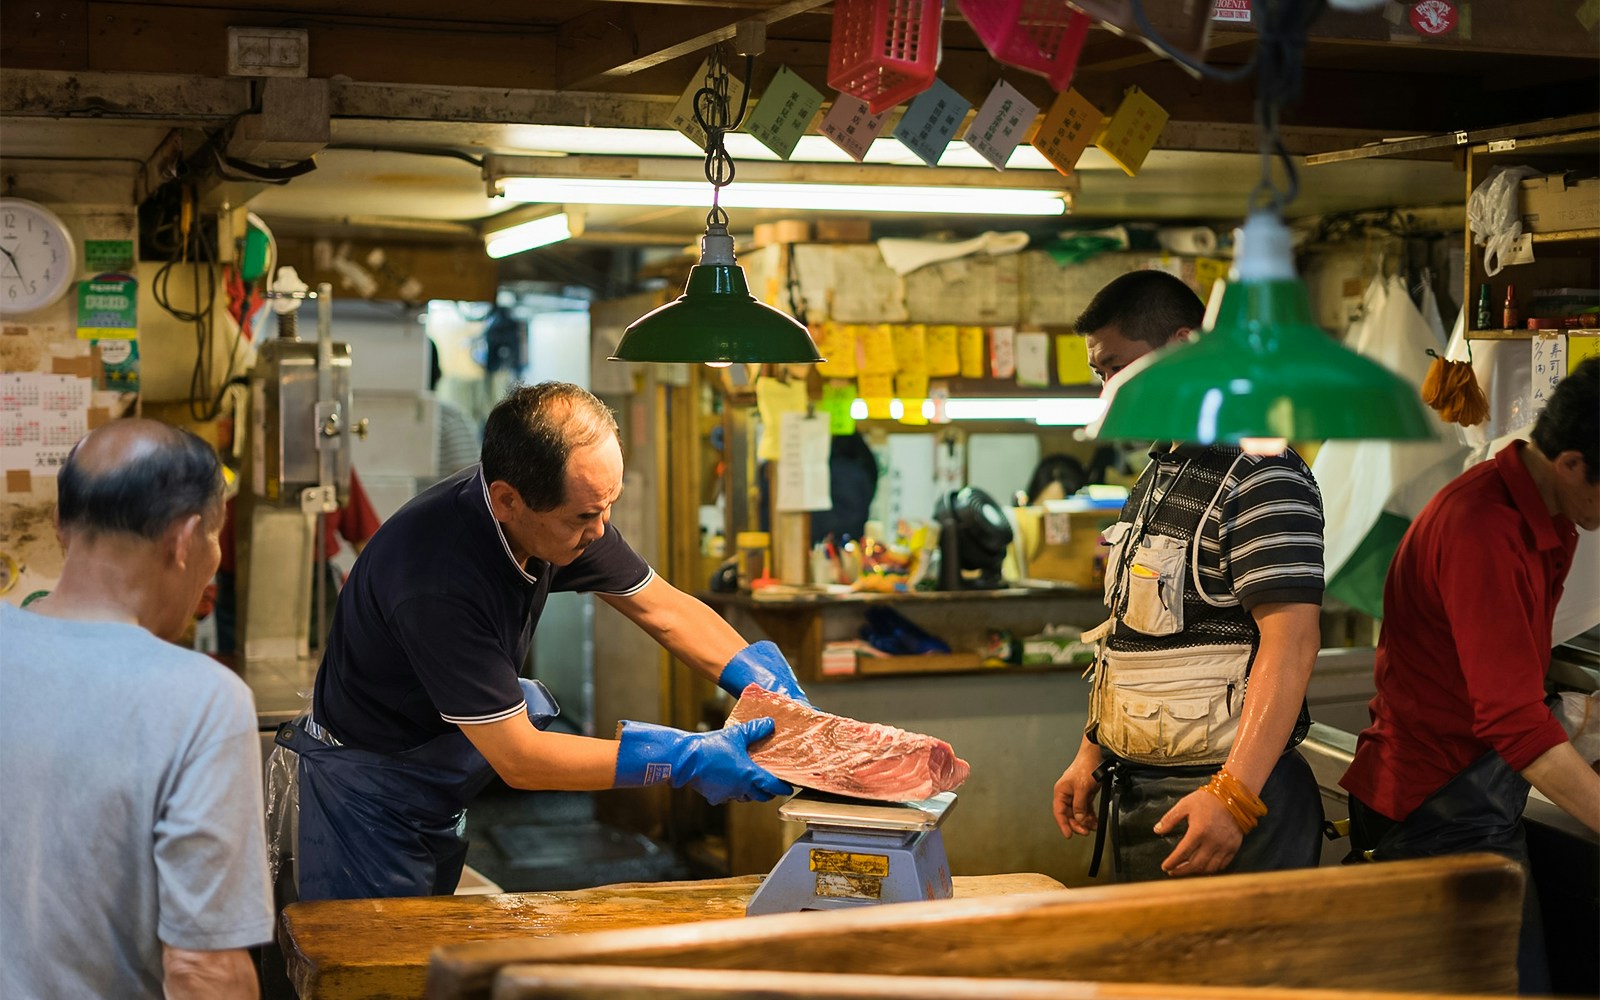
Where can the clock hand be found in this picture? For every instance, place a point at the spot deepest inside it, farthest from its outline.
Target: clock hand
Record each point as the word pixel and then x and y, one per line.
pixel 13 261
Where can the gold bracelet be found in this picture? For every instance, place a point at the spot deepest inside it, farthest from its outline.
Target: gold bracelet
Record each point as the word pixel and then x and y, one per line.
pixel 1243 805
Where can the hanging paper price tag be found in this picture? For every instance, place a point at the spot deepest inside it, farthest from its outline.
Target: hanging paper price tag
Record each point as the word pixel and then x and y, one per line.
pixel 1133 129
pixel 836 342
pixel 836 400
pixel 943 356
pixel 1072 360
pixel 911 348
pixel 931 120
pixel 786 109
pixel 1033 359
pixel 969 346
pixel 877 350
pixel 1002 351
pixel 852 126
pixel 1000 124
pixel 682 115
pixel 1068 128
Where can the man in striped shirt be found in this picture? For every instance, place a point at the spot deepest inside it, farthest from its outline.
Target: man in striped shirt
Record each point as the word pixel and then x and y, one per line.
pixel 1215 584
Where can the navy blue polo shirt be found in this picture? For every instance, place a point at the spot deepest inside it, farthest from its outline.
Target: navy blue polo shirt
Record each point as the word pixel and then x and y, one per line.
pixel 437 616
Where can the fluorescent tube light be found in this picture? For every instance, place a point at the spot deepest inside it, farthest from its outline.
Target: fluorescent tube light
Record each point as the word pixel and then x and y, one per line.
pixel 936 200
pixel 528 235
pixel 1047 411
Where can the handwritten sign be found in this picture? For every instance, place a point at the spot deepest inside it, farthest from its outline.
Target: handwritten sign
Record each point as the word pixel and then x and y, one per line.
pixel 1549 366
pixel 1133 129
pixel 911 348
pixel 944 357
pixel 785 111
pixel 1002 352
pixel 682 115
pixel 1068 128
pixel 969 345
pixel 929 123
pixel 1580 349
pixel 1000 124
pixel 837 343
pixel 852 126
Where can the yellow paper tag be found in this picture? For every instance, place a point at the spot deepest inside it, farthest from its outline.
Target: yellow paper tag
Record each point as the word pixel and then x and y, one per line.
pixel 871 387
pixel 1072 360
pixel 1207 272
pixel 969 346
pixel 773 400
pixel 911 348
pixel 1067 129
pixel 911 385
pixel 877 350
pixel 1132 130
pixel 943 357
pixel 1579 348
pixel 837 343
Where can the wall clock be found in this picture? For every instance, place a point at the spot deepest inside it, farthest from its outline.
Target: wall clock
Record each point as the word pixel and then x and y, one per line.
pixel 38 259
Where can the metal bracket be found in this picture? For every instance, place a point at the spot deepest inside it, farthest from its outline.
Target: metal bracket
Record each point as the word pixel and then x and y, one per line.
pixel 319 500
pixel 1502 145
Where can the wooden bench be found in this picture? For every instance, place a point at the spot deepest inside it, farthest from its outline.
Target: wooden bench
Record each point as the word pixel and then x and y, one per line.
pixel 1442 924
pixel 343 949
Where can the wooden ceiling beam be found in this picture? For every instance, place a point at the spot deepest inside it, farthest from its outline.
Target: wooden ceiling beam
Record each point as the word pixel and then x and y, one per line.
pixel 607 43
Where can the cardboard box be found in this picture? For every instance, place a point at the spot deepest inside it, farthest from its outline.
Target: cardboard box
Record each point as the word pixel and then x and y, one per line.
pixel 1556 203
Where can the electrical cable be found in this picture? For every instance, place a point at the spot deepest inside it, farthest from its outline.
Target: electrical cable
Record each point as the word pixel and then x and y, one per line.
pixel 711 114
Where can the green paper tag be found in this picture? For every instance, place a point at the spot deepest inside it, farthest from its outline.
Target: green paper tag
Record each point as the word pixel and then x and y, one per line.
pixel 785 111
pixel 104 256
pixel 119 364
pixel 836 400
pixel 108 307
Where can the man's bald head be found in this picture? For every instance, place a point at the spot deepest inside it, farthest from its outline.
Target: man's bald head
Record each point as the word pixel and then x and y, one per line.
pixel 137 477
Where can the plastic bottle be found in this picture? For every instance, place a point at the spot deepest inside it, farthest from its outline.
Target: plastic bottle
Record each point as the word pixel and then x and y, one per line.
pixel 1484 322
pixel 1513 315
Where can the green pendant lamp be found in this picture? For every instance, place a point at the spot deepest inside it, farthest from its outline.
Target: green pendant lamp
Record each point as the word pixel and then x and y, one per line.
pixel 716 320
pixel 1263 369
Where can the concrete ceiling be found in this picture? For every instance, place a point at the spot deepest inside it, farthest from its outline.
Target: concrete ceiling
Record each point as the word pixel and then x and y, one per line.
pixel 116 82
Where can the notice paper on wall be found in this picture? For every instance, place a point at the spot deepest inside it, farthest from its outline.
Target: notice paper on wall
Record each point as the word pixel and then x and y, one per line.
pixel 1549 366
pixel 41 417
pixel 803 479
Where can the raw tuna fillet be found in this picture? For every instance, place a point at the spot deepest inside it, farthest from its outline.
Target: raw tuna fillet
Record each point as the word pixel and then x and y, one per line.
pixel 831 753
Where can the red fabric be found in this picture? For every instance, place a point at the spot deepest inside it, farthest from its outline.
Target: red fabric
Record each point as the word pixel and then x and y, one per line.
pixel 1465 644
pixel 356 521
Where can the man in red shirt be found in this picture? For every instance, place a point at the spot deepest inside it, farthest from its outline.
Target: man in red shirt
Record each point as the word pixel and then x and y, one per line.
pixel 1459 725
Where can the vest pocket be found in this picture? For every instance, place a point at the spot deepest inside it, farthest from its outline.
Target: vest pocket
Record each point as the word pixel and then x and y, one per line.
pixel 1155 587
pixel 1171 707
pixel 1116 537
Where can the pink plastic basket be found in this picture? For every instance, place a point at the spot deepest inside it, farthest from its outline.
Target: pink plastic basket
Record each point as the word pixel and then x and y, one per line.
pixel 1041 36
pixel 884 51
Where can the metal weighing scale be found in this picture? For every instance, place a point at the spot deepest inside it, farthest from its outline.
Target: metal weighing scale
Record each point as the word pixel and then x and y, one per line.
pixel 856 852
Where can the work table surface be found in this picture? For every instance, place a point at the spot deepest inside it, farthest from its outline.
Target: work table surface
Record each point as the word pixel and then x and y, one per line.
pixel 338 949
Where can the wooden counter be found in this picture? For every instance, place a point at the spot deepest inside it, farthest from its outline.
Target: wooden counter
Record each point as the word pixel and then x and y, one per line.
pixel 338 949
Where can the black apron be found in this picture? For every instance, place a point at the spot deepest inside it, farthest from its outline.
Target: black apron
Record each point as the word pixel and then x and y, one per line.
pixel 1479 809
pixel 1135 796
pixel 380 825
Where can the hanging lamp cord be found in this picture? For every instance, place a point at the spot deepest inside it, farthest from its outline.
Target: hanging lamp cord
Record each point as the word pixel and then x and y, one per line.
pixel 711 114
pixel 1279 68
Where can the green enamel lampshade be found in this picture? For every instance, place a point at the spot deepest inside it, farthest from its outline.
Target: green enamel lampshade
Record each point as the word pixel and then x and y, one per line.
pixel 716 320
pixel 1263 369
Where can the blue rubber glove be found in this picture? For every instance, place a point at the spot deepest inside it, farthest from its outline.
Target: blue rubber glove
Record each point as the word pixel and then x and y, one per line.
pixel 763 665
pixel 715 764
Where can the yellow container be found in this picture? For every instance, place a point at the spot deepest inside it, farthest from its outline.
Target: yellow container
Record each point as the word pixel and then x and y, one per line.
pixel 751 556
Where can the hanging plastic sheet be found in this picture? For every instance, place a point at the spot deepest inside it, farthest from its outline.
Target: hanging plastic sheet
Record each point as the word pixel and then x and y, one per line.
pixel 1371 490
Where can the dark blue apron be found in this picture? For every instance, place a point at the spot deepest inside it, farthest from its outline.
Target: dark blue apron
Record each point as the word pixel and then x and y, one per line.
pixel 378 825
pixel 1480 809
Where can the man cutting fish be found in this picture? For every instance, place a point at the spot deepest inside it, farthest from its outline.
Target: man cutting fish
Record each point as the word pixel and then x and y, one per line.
pixel 418 702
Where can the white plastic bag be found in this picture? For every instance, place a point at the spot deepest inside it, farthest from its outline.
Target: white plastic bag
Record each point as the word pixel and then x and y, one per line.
pixel 1492 213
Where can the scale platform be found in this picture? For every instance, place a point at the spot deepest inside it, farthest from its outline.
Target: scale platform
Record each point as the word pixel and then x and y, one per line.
pixel 858 852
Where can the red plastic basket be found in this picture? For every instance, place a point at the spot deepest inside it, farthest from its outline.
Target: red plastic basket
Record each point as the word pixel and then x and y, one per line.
pixel 884 51
pixel 1041 36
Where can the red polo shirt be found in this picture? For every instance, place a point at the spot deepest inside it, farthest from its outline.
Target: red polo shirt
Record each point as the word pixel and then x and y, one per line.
pixel 1461 660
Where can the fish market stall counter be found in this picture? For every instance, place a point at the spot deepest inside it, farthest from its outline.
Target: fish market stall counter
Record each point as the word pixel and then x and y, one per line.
pixel 1017 726
pixel 337 949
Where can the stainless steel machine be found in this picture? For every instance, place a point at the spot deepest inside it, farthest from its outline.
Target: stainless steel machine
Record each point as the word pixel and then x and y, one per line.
pixel 298 455
pixel 857 852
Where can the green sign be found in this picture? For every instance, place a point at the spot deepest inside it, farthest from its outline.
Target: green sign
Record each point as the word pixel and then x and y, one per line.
pixel 119 364
pixel 108 308
pixel 106 256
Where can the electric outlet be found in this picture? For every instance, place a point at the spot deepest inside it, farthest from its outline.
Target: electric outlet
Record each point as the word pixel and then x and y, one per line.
pixel 268 52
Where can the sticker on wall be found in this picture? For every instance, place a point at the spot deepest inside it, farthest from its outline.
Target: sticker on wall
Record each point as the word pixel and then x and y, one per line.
pixel 1434 17
pixel 108 307
pixel 1237 11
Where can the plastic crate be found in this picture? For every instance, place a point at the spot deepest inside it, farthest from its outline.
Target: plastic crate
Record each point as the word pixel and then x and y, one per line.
pixel 1041 36
pixel 884 51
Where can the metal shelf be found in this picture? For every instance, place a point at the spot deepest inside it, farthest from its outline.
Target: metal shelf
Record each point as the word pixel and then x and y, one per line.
pixel 1525 334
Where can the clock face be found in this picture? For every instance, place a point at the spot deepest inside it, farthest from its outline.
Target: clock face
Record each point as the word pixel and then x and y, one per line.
pixel 38 260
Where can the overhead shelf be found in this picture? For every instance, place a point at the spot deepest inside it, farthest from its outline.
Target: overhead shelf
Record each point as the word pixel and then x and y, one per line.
pixel 1526 334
